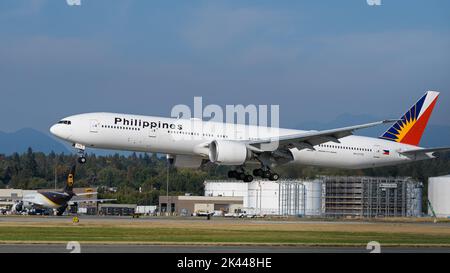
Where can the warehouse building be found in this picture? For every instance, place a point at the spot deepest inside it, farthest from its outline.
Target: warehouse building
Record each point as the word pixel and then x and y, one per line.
pixel 439 196
pixel 285 197
pixel 116 209
pixel 189 205
pixel 358 196
pixel 326 196
pixel 10 196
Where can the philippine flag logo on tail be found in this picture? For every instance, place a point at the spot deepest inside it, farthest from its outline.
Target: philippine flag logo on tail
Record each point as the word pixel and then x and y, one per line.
pixel 386 152
pixel 411 125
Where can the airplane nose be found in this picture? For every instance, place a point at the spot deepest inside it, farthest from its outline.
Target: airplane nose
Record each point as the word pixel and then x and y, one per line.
pixel 60 131
pixel 53 130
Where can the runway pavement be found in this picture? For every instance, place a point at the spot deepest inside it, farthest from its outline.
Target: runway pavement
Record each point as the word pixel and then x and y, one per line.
pixel 120 248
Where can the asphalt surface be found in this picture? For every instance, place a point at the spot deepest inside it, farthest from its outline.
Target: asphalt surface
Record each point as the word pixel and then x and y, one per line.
pixel 130 248
pixel 129 219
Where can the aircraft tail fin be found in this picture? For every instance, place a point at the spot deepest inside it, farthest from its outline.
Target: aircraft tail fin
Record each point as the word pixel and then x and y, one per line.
pixel 410 127
pixel 70 179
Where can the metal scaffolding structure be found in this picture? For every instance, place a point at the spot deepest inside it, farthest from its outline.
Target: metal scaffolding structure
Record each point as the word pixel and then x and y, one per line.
pixel 360 196
pixel 327 196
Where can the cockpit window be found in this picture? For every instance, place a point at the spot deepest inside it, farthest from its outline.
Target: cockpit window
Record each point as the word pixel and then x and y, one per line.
pixel 68 122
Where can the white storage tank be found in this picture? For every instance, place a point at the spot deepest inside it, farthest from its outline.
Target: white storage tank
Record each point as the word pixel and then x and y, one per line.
pixel 313 204
pixel 263 197
pixel 439 195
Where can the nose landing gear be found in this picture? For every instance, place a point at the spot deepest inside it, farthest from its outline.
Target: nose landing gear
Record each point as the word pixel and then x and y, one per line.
pixel 81 153
pixel 82 159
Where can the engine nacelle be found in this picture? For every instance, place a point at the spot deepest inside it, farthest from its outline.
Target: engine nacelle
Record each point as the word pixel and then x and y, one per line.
pixel 232 153
pixel 17 207
pixel 185 161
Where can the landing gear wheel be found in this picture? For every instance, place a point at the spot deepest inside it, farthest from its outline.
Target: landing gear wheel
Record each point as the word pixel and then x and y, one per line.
pixel 248 178
pixel 257 172
pixel 240 176
pixel 274 177
pixel 82 160
pixel 266 174
pixel 232 174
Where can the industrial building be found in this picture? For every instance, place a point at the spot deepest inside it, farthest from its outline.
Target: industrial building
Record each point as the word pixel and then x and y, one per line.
pixel 326 196
pixel 284 197
pixel 360 196
pixel 10 196
pixel 439 195
pixel 116 209
pixel 189 205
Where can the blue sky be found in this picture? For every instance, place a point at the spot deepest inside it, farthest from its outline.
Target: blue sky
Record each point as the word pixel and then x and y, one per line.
pixel 316 59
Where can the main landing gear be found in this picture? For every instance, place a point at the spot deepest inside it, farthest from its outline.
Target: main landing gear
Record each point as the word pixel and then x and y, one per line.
pixel 240 175
pixel 262 172
pixel 266 173
pixel 81 153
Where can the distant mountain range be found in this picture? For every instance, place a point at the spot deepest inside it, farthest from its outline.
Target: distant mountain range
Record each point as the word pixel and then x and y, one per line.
pixel 19 141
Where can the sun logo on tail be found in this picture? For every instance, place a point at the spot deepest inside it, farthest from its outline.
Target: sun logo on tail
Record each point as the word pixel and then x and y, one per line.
pixel 404 129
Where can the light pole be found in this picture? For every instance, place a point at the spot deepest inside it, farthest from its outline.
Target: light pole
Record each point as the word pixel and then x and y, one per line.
pixel 167 186
pixel 56 177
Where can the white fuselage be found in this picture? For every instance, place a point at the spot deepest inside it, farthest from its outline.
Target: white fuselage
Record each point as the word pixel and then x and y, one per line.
pixel 189 136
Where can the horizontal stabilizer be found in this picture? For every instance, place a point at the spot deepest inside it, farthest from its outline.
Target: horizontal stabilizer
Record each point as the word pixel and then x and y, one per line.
pixel 86 193
pixel 426 151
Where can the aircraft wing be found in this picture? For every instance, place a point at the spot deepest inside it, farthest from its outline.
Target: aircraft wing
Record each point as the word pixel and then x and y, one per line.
pixel 90 201
pixel 309 139
pixel 430 152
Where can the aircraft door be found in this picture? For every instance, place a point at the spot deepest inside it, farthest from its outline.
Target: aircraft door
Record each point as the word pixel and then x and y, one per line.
pixel 94 126
pixel 152 133
pixel 377 151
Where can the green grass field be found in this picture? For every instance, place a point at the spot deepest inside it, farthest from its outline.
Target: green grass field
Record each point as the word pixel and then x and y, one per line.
pixel 216 235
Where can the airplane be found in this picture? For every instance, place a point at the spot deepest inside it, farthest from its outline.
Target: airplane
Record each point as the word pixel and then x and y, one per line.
pixel 190 143
pixel 54 199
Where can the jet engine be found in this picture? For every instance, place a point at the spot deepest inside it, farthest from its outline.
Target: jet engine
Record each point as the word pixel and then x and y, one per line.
pixel 17 207
pixel 225 152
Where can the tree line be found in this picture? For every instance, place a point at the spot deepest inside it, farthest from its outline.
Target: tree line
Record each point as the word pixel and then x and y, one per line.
pixel 141 178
